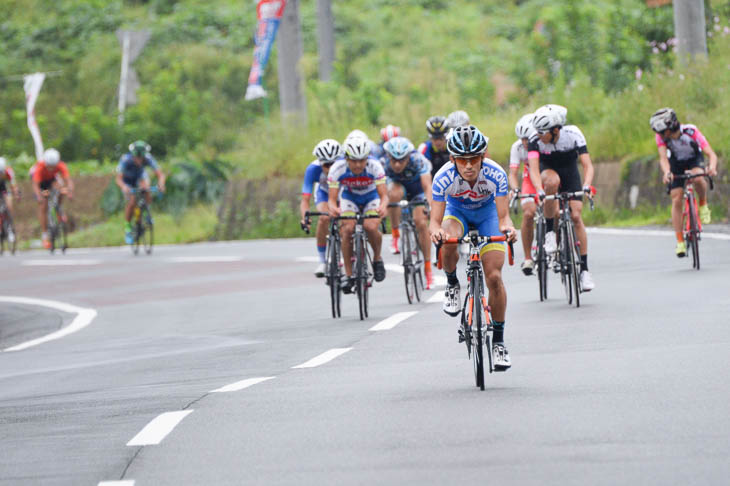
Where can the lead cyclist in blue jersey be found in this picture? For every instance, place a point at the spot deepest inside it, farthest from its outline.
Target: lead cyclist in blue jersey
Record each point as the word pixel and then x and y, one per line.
pixel 131 175
pixel 409 176
pixel 362 181
pixel 327 151
pixel 471 190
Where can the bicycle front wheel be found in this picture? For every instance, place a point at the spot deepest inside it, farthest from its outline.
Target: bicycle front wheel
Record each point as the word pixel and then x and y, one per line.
pixel 694 231
pixel 11 236
pixel 361 281
pixel 408 268
pixel 564 252
pixel 333 275
pixel 574 265
pixel 476 317
pixel 148 239
pixel 542 265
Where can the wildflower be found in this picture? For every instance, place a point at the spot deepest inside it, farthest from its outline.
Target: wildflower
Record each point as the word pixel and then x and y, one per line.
pixel 639 73
pixel 640 87
pixel 654 50
pixel 681 77
pixel 663 46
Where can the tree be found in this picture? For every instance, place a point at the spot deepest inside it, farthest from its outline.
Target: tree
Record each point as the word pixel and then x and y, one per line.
pixel 291 93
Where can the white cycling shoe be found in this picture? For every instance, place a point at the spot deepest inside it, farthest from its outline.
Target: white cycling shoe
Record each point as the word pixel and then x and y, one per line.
pixel 551 242
pixel 451 303
pixel 586 281
pixel 319 271
pixel 527 267
pixel 500 357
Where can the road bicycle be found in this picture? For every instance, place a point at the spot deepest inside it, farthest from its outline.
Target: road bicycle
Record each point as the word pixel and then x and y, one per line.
pixel 691 224
pixel 541 258
pixel 567 258
pixel 143 228
pixel 57 223
pixel 363 261
pixel 333 269
pixel 411 253
pixel 476 321
pixel 7 229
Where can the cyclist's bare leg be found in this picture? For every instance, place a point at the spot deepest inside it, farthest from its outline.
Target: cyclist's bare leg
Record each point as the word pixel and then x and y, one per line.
pixel 145 184
pixel 395 194
pixel 371 227
pixel 322 224
pixel 576 214
pixel 677 208
pixel 492 262
pixel 527 230
pixel 130 207
pixel 421 221
pixel 551 183
pixel 700 184
pixel 9 202
pixel 347 228
pixel 43 213
pixel 450 253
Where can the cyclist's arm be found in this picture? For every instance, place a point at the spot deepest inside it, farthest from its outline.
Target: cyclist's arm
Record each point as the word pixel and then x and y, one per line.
pixel 426 184
pixel 120 182
pixel 712 170
pixel 332 202
pixel 534 161
pixel 70 185
pixel 664 163
pixel 505 222
pixel 304 205
pixel 437 216
pixel 585 161
pixel 160 179
pixel 383 194
pixel 37 189
pixel 512 177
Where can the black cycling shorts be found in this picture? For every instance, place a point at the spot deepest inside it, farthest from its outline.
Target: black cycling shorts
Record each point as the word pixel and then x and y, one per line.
pixel 46 185
pixel 570 180
pixel 678 167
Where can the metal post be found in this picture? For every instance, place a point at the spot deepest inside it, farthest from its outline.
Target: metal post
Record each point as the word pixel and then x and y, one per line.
pixel 325 39
pixel 289 48
pixel 690 30
pixel 123 79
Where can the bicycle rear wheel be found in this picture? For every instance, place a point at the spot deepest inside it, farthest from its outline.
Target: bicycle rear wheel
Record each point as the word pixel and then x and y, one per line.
pixel 3 238
pixel 138 235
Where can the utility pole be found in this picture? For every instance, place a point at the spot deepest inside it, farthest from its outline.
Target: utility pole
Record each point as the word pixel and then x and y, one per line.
pixel 325 39
pixel 690 30
pixel 291 93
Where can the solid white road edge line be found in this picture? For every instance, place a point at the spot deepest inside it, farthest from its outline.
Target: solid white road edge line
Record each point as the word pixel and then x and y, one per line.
pixel 83 319
pixel 240 385
pixel 323 358
pixel 58 263
pixel 392 321
pixel 125 482
pixel 158 428
pixel 639 232
pixel 205 259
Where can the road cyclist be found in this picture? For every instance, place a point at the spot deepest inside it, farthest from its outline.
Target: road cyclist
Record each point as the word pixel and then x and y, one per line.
pixel 359 182
pixel 132 176
pixel 434 149
pixel 8 191
pixel 409 177
pixel 50 173
pixel 681 148
pixel 327 152
pixel 471 191
pixel 553 156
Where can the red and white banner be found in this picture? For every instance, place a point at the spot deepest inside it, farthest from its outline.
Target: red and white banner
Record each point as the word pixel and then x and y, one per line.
pixel 32 86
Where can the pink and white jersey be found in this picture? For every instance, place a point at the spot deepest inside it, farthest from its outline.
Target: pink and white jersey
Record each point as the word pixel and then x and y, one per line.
pixel 689 144
pixel 517 156
pixel 340 176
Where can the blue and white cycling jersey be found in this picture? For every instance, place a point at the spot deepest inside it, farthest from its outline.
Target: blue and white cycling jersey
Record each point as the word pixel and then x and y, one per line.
pixel 131 172
pixel 448 186
pixel 416 167
pixel 315 175
pixel 360 188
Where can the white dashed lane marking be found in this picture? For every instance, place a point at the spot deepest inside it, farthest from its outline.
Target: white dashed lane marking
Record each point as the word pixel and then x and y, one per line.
pixel 158 428
pixel 206 259
pixel 323 358
pixel 392 321
pixel 126 482
pixel 240 385
pixel 59 263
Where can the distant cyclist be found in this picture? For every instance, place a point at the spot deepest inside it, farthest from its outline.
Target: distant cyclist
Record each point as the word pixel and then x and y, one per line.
pixel 7 178
pixel 409 177
pixel 518 156
pixel 327 151
pixel 47 173
pixel 680 149
pixel 362 181
pixel 458 118
pixel 131 175
pixel 472 191
pixel 434 149
pixel 376 150
pixel 553 155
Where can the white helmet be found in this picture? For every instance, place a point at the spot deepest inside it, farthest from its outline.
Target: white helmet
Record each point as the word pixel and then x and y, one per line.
pixel 524 128
pixel 560 110
pixel 51 157
pixel 328 150
pixel 357 148
pixel 664 118
pixel 357 133
pixel 458 118
pixel 3 163
pixel 547 118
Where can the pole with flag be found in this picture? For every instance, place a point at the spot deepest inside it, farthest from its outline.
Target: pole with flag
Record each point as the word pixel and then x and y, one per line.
pixel 269 14
pixel 32 84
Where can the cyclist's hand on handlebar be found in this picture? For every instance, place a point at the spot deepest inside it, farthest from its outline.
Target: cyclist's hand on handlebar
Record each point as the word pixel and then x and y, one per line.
pixel 334 211
pixel 711 171
pixel 668 177
pixel 382 210
pixel 438 236
pixel 510 232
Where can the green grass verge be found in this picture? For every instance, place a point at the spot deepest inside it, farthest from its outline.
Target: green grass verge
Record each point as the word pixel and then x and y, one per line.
pixel 196 224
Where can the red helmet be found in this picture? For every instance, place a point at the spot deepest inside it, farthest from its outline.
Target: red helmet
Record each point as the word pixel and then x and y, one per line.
pixel 389 132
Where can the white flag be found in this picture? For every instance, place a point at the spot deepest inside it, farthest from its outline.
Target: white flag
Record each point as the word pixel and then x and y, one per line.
pixel 32 86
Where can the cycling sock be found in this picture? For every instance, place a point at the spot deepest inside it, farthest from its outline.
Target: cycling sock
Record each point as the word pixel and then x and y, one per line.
pixel 451 278
pixel 498 335
pixel 395 232
pixel 549 225
pixel 427 266
pixel 321 250
pixel 584 263
pixel 680 237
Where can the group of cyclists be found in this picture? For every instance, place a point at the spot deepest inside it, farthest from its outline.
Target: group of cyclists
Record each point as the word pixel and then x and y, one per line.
pixel 50 172
pixel 465 189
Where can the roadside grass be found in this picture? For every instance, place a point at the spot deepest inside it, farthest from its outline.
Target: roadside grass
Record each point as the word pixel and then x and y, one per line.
pixel 197 223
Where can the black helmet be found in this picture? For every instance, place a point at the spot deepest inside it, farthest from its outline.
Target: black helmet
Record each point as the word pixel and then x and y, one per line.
pixel 140 148
pixel 436 126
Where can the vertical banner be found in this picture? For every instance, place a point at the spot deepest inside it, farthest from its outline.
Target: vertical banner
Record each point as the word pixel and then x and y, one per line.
pixel 269 14
pixel 32 85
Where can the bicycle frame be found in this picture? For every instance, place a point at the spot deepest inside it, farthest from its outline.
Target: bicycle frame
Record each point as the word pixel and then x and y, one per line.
pixel 692 227
pixel 333 254
pixel 411 251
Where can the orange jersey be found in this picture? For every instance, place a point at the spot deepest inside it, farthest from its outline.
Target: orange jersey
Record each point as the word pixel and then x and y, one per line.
pixel 42 173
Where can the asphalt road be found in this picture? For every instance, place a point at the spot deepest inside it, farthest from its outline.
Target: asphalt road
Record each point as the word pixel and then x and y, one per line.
pixel 632 387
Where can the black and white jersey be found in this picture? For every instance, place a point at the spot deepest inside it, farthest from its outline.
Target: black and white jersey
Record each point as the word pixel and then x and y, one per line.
pixel 564 152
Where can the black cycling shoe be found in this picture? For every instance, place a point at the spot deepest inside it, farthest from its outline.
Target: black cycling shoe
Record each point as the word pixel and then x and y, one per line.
pixel 379 270
pixel 347 285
